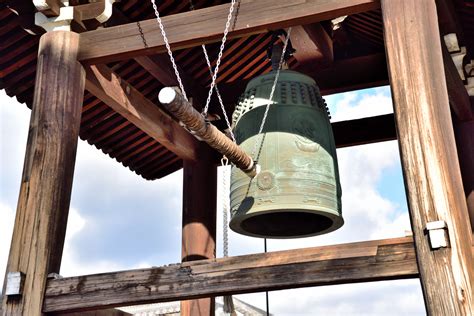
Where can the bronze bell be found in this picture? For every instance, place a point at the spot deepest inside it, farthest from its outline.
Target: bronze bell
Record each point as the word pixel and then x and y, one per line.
pixel 297 192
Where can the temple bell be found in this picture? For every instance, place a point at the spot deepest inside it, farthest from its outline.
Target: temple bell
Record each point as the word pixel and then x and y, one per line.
pixel 297 193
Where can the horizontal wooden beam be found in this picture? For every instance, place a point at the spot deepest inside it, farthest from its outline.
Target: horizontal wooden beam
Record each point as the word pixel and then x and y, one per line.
pixel 159 66
pixel 364 131
pixel 132 105
pixel 458 97
pixel 103 312
pixel 341 76
pixel 313 45
pixel 206 25
pixel 346 263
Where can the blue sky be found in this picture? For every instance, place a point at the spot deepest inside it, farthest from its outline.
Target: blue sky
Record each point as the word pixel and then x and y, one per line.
pixel 120 221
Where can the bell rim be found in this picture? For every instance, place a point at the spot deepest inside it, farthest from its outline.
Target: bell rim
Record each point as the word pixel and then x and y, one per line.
pixel 335 217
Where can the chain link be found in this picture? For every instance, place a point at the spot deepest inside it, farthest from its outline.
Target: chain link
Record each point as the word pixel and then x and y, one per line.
pixel 225 206
pixel 270 99
pixel 219 57
pixel 168 48
pixel 216 69
pixel 218 94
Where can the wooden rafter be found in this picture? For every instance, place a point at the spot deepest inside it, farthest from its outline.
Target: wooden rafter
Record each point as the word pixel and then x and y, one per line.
pixel 313 45
pixel 205 25
pixel 364 131
pixel 131 104
pixel 159 66
pixel 346 263
pixel 458 97
pixel 341 76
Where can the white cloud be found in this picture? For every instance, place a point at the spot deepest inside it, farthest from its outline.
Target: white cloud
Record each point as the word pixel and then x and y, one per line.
pixel 359 104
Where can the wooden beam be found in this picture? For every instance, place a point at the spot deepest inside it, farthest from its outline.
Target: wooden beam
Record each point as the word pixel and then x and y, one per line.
pixel 159 66
pixel 131 104
pixel 364 131
pixel 205 26
pixel 313 45
pixel 337 264
pixel 448 20
pixel 45 192
pixel 102 312
pixel 457 93
pixel 51 7
pixel 341 76
pixel 199 220
pixel 428 152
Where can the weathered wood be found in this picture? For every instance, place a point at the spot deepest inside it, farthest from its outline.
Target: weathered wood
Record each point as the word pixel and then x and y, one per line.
pixel 367 130
pixel 341 76
pixel 159 66
pixel 428 152
pixel 45 191
pixel 457 93
pixel 51 7
pixel 313 45
pixel 205 25
pixel 448 20
pixel 131 104
pixel 199 220
pixel 347 263
pixel 102 312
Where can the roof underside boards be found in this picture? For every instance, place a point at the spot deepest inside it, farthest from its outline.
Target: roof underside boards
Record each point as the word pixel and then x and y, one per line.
pixel 358 39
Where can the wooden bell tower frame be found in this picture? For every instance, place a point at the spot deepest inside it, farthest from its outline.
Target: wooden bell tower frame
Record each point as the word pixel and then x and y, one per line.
pixel 68 62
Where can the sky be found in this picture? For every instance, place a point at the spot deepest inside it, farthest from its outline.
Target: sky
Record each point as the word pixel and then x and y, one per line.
pixel 120 221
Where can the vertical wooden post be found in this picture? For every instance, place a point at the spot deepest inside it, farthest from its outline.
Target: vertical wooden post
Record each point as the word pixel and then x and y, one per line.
pixel 428 151
pixel 46 184
pixel 199 220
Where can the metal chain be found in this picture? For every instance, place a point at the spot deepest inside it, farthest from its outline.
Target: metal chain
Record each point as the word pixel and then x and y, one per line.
pixel 168 48
pixel 218 94
pixel 272 91
pixel 141 34
pixel 219 57
pixel 225 206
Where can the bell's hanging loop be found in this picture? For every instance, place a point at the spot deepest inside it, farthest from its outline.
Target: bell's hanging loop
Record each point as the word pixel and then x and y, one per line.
pixel 224 161
pixel 297 192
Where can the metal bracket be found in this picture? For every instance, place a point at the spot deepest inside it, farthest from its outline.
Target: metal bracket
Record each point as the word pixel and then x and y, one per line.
pixel 15 282
pixel 438 234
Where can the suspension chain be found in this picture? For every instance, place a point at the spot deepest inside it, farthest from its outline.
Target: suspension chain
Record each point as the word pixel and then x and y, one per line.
pixel 168 48
pixel 229 127
pixel 225 205
pixel 270 99
pixel 219 57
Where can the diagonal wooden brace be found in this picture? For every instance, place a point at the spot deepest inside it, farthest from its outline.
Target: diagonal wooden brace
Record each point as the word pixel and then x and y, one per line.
pixel 183 110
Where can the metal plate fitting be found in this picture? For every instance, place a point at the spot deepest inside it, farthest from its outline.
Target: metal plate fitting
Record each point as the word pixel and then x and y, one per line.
pixel 438 234
pixel 15 281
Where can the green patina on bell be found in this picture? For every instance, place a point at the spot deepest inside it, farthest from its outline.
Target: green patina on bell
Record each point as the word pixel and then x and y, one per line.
pixel 297 192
